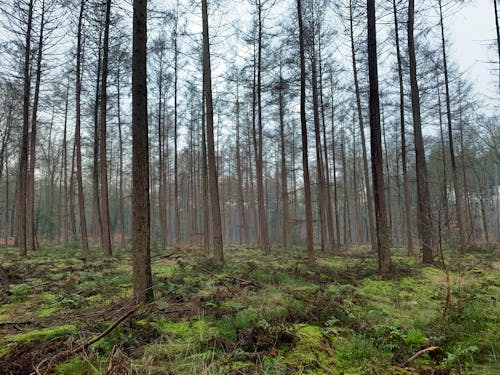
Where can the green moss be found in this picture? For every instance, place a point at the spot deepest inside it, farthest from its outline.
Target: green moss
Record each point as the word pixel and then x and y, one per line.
pixel 75 366
pixel 312 354
pixel 42 334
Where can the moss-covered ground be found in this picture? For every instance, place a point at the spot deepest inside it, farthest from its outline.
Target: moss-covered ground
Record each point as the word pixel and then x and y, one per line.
pixel 251 314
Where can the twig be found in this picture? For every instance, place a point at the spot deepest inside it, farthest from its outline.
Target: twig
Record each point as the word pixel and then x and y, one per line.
pixel 66 354
pixel 418 354
pixel 23 322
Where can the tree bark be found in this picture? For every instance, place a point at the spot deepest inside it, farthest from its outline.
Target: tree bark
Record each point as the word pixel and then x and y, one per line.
pixel 383 230
pixel 369 197
pixel 23 163
pixel 406 188
pixel 78 149
pixel 141 262
pixel 303 122
pixel 31 172
pixel 212 169
pixel 106 232
pixel 424 209
pixel 456 186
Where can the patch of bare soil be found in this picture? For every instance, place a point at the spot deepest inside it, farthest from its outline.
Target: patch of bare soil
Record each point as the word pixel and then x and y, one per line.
pixel 24 357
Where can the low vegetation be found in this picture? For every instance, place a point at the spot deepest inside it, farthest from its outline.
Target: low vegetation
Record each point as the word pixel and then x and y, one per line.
pixel 251 314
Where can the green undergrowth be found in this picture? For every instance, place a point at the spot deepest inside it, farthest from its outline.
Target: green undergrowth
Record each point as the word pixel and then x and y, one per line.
pixel 277 314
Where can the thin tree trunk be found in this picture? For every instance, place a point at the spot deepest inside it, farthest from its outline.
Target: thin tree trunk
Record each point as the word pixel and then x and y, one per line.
pixel 212 171
pixel 406 188
pixel 369 198
pixel 121 199
pixel 176 181
pixel 284 182
pixel 424 209
pixel 319 154
pixel 106 232
pixel 456 186
pixel 23 164
pixel 334 164
pixel 81 197
pixel 305 159
pixel 204 169
pixel 31 172
pixel 243 225
pixel 96 202
pixel 263 230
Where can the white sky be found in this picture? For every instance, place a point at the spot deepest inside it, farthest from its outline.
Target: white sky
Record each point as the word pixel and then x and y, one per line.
pixel 473 33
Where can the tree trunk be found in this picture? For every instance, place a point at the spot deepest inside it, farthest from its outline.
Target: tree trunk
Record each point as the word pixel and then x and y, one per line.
pixel 23 164
pixel 406 188
pixel 424 208
pixel 456 186
pixel 263 230
pixel 369 198
pixel 383 231
pixel 204 171
pixel 284 182
pixel 243 225
pixel 78 149
pixel 176 180
pixel 141 262
pixel 31 172
pixel 319 153
pixel 96 202
pixel 121 199
pixel 305 160
pixel 106 232
pixel 212 171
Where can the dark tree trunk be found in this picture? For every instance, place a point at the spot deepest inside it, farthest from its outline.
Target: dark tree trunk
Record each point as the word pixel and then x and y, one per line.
pixel 31 172
pixel 23 163
pixel 212 169
pixel 78 149
pixel 454 174
pixel 141 261
pixel 406 188
pixel 305 160
pixel 424 208
pixel 106 232
pixel 369 198
pixel 243 225
pixel 383 230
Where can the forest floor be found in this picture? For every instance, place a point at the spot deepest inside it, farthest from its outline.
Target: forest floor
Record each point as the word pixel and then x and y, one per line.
pixel 249 315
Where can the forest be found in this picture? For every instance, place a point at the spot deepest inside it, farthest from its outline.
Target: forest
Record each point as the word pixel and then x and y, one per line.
pixel 249 187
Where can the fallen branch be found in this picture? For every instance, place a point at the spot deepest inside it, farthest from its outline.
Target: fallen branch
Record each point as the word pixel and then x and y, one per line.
pixel 23 322
pixel 418 354
pixel 66 354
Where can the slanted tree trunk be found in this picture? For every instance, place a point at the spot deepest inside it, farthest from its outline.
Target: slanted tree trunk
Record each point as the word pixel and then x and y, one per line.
pixel 303 122
pixel 383 230
pixel 141 262
pixel 212 169
pixel 23 162
pixel 106 232
pixel 78 149
pixel 424 208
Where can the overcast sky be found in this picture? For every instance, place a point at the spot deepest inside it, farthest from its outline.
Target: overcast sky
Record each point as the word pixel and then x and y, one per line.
pixel 473 31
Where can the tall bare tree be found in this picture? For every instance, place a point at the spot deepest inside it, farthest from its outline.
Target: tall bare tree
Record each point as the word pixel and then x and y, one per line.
pixel 141 261
pixel 212 169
